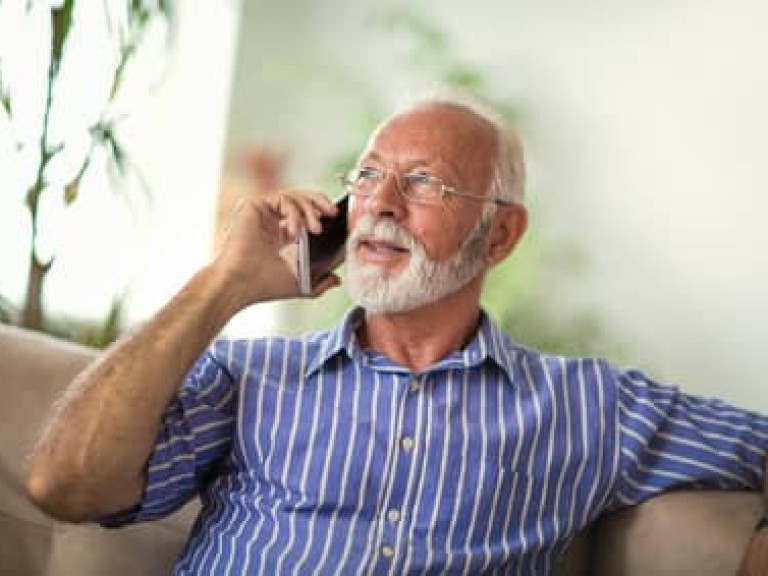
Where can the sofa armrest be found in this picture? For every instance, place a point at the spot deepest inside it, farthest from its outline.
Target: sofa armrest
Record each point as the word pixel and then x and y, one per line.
pixel 683 533
pixel 34 371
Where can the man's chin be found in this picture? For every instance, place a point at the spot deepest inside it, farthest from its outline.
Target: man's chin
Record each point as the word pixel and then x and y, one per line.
pixel 371 290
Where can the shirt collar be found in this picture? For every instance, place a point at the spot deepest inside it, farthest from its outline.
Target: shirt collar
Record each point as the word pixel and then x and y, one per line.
pixel 340 339
pixel 489 343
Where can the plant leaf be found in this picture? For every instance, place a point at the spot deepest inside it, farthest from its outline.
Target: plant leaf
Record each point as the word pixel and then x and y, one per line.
pixel 61 24
pixel 5 96
pixel 6 103
pixel 71 191
pixel 108 330
pixel 464 76
pixel 118 154
pixel 165 7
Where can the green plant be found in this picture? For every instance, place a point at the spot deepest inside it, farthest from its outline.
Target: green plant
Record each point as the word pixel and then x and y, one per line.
pixel 57 161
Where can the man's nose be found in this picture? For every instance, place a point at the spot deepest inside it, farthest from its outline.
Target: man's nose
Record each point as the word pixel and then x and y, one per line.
pixel 387 201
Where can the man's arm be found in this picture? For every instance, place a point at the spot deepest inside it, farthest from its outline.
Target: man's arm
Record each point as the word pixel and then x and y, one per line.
pixel 755 561
pixel 91 459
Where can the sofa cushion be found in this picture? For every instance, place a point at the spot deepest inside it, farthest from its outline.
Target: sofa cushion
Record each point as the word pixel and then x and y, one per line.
pixel 25 547
pixel 149 548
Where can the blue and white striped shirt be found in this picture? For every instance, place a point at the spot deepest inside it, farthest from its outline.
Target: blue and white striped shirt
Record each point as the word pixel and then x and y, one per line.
pixel 315 456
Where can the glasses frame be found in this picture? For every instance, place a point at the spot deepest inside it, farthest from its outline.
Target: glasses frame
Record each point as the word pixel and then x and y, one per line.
pixel 349 185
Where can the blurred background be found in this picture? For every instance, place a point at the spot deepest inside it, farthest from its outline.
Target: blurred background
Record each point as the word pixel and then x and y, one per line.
pixel 129 127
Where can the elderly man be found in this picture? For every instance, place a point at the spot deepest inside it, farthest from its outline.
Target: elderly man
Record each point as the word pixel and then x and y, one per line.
pixel 413 438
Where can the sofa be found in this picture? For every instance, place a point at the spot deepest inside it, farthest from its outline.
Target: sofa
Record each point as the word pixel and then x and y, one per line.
pixel 679 533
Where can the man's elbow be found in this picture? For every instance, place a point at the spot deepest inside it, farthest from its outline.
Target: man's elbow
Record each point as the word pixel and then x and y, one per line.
pixel 75 498
pixel 52 498
pixel 64 499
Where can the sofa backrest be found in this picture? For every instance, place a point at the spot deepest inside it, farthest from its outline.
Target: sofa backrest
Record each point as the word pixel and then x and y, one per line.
pixel 34 370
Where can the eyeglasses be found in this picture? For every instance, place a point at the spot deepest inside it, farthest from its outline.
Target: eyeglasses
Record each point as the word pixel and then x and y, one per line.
pixel 417 187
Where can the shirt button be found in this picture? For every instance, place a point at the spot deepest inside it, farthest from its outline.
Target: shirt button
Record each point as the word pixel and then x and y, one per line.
pixel 407 443
pixel 415 386
pixel 393 516
pixel 387 551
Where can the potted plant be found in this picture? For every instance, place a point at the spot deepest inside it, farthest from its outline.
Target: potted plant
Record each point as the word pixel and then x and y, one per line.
pixel 36 90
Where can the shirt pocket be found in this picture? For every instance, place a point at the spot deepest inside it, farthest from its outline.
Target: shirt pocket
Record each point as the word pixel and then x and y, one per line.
pixel 489 507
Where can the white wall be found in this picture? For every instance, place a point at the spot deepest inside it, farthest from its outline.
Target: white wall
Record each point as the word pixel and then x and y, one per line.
pixel 180 143
pixel 646 127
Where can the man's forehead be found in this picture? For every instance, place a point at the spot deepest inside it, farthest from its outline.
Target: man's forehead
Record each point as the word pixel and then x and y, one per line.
pixel 410 159
pixel 434 132
pixel 435 124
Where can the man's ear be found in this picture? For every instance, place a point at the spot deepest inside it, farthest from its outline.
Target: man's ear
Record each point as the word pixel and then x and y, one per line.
pixel 509 224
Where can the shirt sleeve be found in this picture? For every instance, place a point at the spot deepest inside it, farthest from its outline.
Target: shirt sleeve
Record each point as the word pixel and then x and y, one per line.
pixel 669 439
pixel 195 434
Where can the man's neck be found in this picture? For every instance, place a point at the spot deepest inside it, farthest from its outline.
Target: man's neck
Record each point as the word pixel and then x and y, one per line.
pixel 419 338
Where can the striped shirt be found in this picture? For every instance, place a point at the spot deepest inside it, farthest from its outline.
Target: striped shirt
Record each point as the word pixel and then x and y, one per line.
pixel 315 456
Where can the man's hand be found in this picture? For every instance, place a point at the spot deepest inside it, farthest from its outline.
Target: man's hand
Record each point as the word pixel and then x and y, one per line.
pixel 755 561
pixel 258 256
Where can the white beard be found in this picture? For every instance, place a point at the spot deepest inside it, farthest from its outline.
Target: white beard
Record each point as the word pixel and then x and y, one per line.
pixel 423 281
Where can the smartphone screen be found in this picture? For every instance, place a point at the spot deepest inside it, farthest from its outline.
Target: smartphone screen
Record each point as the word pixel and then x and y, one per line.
pixel 320 254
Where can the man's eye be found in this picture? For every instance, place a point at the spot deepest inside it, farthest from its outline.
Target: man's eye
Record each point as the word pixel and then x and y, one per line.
pixel 419 178
pixel 369 174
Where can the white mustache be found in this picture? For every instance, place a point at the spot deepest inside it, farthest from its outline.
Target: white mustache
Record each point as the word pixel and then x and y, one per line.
pixel 382 229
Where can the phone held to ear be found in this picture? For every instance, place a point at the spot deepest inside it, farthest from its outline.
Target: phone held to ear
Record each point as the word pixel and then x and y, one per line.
pixel 320 254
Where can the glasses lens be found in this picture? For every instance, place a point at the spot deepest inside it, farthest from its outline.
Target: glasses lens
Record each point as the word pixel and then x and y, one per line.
pixel 416 186
pixel 362 181
pixel 422 187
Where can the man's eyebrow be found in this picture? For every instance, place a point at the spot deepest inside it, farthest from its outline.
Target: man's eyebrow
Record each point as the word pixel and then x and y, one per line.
pixel 372 155
pixel 413 162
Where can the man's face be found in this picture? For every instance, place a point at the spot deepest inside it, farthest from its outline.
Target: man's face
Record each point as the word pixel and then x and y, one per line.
pixel 400 254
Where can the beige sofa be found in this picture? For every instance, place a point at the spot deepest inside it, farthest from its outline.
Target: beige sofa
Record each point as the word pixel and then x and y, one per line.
pixel 684 533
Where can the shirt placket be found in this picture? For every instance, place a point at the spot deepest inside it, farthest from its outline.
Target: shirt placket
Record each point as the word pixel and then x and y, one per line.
pixel 394 513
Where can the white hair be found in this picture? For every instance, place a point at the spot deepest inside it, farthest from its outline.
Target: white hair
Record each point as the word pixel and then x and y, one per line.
pixel 508 178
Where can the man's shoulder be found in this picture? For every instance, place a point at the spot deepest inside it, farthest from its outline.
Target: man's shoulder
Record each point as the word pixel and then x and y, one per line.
pixel 530 354
pixel 542 366
pixel 269 346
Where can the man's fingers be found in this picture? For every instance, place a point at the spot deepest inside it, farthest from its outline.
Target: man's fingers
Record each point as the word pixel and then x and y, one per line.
pixel 302 209
pixel 324 284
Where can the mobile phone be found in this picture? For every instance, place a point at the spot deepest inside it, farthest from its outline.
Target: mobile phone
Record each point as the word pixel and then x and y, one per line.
pixel 320 254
